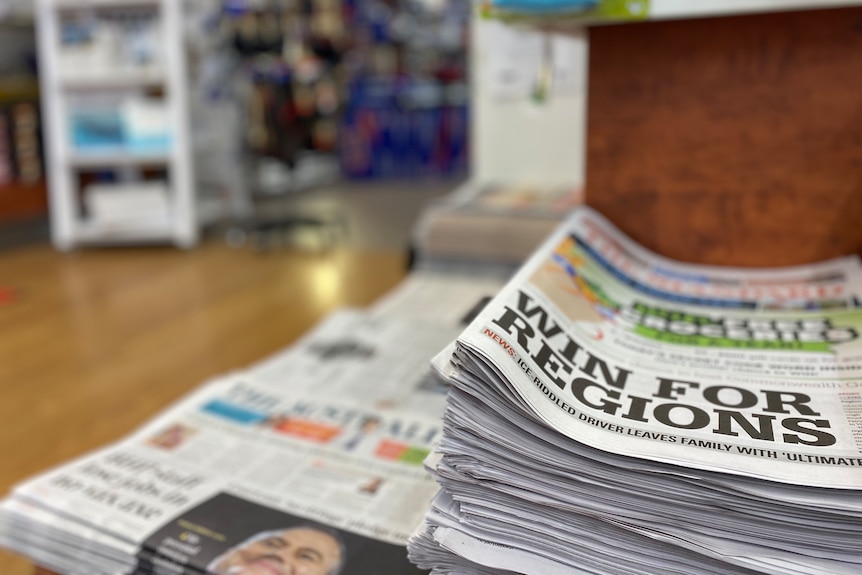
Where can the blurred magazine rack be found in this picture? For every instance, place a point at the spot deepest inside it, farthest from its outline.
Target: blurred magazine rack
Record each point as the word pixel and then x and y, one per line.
pixel 288 58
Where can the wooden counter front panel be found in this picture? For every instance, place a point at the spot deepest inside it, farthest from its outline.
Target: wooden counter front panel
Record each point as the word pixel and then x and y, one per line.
pixel 733 140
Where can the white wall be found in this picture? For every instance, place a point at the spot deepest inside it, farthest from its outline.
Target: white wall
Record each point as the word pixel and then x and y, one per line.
pixel 517 140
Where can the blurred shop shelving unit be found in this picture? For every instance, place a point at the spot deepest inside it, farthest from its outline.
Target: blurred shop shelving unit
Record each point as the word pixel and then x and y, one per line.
pixel 407 113
pixel 376 86
pixel 22 183
pixel 282 62
pixel 289 58
pixel 113 90
pixel 333 90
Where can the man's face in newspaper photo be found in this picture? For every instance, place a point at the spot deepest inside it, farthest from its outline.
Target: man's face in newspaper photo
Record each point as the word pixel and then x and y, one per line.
pixel 296 551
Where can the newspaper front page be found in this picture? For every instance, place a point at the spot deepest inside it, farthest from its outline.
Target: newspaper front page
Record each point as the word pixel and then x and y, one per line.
pixel 746 389
pixel 238 467
pixel 628 310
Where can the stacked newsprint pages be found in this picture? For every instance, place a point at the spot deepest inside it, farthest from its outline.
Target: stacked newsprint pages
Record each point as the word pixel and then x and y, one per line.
pixel 308 462
pixel 612 411
pixel 491 224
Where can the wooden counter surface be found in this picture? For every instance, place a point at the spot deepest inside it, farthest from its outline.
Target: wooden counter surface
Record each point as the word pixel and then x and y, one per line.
pixel 94 343
pixel 730 141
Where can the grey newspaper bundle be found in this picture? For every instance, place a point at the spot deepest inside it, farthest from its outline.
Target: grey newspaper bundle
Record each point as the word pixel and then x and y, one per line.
pixel 309 462
pixel 615 412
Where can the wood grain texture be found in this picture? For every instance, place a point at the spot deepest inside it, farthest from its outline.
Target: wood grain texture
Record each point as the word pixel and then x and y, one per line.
pixel 94 343
pixel 732 140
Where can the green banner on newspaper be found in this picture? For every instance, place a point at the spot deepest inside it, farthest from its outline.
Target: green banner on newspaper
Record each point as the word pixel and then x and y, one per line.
pixel 703 341
pixel 607 299
pixel 809 333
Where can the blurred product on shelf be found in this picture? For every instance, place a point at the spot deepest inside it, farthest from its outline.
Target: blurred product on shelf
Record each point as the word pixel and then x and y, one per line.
pixel 111 46
pixel 118 204
pixel 379 84
pixel 291 54
pixel 404 129
pixel 129 124
pixel 407 111
pixel 551 11
pixel 545 6
pixel 20 143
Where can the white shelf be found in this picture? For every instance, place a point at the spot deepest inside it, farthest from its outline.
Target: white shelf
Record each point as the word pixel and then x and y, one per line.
pixel 114 79
pixel 64 91
pixel 144 230
pixel 108 159
pixel 85 4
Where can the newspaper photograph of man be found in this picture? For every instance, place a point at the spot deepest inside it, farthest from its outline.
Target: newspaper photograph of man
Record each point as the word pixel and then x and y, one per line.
pixel 303 550
pixel 231 535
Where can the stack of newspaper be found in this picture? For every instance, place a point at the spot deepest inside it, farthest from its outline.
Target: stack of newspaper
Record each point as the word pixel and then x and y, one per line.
pixel 491 225
pixel 308 462
pixel 612 411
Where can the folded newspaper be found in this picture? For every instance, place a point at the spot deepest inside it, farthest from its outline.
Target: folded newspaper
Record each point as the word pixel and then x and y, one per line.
pixel 308 462
pixel 612 411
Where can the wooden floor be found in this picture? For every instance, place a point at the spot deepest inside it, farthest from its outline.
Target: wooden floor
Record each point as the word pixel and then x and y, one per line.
pixel 94 343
